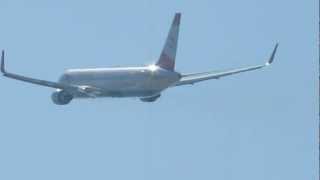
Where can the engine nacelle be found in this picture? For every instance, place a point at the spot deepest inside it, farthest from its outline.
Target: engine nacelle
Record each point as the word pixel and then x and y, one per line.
pixel 61 97
pixel 150 99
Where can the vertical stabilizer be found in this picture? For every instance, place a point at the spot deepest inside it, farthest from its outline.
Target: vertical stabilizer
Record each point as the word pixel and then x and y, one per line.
pixel 168 54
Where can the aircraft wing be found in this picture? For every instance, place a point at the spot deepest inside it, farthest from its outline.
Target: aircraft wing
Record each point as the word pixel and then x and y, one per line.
pixel 87 90
pixel 32 80
pixel 197 77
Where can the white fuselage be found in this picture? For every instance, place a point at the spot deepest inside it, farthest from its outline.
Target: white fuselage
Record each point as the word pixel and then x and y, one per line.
pixel 122 82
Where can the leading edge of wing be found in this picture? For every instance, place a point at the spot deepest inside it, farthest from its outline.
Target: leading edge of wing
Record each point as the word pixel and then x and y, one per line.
pixel 197 77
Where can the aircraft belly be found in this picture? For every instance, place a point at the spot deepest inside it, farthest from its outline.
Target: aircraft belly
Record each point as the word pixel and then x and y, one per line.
pixel 132 87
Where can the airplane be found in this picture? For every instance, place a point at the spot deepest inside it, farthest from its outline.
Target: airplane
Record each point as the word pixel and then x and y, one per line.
pixel 145 82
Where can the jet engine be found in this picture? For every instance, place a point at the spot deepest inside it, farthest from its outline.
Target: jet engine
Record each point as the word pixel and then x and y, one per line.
pixel 150 99
pixel 61 97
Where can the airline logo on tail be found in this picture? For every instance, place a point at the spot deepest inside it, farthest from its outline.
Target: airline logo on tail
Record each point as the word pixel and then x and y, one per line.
pixel 168 54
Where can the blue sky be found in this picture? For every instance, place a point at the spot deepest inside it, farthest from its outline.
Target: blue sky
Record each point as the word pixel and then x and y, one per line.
pixel 256 125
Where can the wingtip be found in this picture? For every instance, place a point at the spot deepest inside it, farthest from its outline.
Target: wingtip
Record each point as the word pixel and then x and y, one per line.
pixel 272 55
pixel 177 18
pixel 2 62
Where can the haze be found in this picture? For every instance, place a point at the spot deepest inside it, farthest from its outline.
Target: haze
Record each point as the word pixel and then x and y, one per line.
pixel 256 125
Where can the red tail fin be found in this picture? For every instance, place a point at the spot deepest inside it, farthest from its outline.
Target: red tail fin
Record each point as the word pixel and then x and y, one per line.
pixel 168 54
